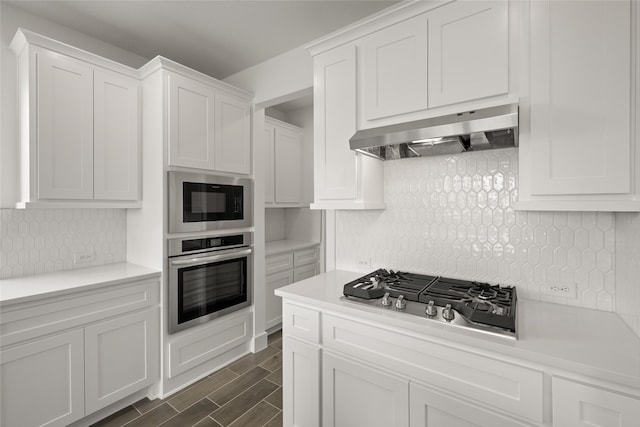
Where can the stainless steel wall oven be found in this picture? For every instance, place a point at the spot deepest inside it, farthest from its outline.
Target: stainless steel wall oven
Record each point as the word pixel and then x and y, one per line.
pixel 201 202
pixel 208 277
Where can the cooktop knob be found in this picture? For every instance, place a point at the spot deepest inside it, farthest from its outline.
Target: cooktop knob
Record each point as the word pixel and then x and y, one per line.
pixel 401 303
pixel 447 313
pixel 431 310
pixel 386 300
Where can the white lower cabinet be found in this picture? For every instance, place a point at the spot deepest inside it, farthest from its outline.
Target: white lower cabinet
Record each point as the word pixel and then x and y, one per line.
pixel 354 394
pixel 117 359
pixel 301 373
pixel 63 358
pixel 429 408
pixel 284 269
pixel 579 405
pixel 43 382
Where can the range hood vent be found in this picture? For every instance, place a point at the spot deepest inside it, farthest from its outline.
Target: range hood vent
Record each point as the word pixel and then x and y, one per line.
pixel 484 129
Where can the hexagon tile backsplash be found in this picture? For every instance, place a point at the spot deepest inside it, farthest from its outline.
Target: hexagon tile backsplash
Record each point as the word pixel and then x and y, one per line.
pixel 454 216
pixel 45 240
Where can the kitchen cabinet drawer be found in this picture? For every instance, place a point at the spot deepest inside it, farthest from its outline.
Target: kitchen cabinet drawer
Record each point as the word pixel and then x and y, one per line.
pixel 307 256
pixel 304 272
pixel 514 389
pixel 29 320
pixel 578 405
pixel 279 262
pixel 301 322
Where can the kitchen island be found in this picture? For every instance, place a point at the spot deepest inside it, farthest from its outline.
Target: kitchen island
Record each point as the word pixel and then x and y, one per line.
pixel 351 364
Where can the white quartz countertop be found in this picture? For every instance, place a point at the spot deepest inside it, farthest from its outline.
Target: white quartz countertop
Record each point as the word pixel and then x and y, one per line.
pixel 30 288
pixel 282 246
pixel 583 341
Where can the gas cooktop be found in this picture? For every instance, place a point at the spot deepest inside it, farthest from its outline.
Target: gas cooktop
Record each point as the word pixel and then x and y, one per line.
pixel 478 306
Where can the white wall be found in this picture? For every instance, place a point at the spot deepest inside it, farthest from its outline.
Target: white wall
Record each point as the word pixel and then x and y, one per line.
pixel 279 79
pixel 628 268
pixel 11 19
pixel 274 224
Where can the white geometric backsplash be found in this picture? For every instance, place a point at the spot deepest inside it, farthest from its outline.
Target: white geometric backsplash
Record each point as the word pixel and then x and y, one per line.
pixel 45 240
pixel 454 216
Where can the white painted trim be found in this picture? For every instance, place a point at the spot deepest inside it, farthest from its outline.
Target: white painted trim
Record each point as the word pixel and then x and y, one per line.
pixel 24 37
pixel 629 205
pixel 348 205
pixel 160 62
pixel 72 204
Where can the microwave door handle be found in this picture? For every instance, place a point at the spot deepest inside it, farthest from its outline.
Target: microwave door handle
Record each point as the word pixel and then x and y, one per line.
pixel 200 260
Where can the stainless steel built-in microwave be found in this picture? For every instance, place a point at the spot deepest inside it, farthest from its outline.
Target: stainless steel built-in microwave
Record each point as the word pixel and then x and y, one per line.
pixel 202 202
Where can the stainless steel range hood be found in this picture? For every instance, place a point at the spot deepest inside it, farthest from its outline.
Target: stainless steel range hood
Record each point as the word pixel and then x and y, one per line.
pixel 484 129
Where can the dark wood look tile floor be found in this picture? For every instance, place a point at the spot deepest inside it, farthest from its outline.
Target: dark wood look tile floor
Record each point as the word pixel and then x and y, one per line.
pixel 246 393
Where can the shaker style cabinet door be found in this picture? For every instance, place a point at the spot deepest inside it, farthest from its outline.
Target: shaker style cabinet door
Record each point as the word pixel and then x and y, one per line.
pixel 191 123
pixel 468 51
pixel 232 134
pixel 580 97
pixel 269 155
pixel 578 405
pixel 354 394
pixel 121 357
pixel 43 382
pixel 429 408
pixel 273 303
pixel 116 137
pixel 301 383
pixel 335 172
pixel 394 70
pixel 65 127
pixel 288 165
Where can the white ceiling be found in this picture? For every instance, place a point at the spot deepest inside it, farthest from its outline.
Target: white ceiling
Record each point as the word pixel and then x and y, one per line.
pixel 216 37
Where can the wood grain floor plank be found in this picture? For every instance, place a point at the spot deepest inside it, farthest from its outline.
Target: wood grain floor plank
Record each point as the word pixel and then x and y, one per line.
pixel 154 417
pixel 276 377
pixel 228 392
pixel 275 398
pixel 273 363
pixel 202 388
pixel 145 405
pixel 119 418
pixel 256 416
pixel 207 422
pixel 243 403
pixel 251 360
pixel 275 421
pixel 193 414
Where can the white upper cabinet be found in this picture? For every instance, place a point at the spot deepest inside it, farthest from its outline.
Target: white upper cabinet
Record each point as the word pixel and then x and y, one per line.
pixel 65 127
pixel 80 136
pixel 468 52
pixel 232 134
pixel 116 136
pixel 191 123
pixel 576 146
pixel 394 70
pixel 269 183
pixel 283 164
pixel 342 178
pixel 209 128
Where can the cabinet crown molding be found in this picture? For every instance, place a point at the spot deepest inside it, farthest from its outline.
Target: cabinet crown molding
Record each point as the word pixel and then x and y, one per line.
pixel 24 38
pixel 162 63
pixel 391 15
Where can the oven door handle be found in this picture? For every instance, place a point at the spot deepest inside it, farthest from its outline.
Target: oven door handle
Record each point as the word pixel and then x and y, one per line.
pixel 200 260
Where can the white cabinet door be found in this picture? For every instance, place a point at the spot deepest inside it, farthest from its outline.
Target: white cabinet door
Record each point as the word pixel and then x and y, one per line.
pixel 269 147
pixel 232 134
pixel 334 123
pixel 468 51
pixel 429 408
pixel 116 137
pixel 577 405
pixel 273 303
pixel 394 70
pixel 121 357
pixel 301 383
pixel 579 98
pixel 191 123
pixel 65 127
pixel 288 165
pixel 43 382
pixel 304 272
pixel 354 394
